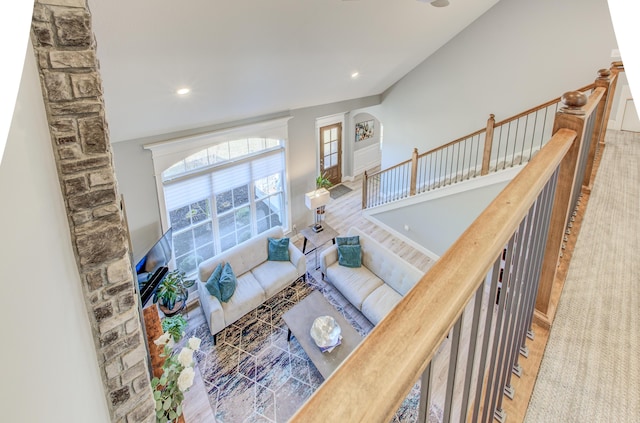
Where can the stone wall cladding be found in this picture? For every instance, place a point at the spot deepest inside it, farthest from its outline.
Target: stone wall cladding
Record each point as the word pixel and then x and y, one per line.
pixel 72 92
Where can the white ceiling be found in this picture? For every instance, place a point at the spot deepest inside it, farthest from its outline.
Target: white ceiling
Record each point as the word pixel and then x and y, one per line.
pixel 246 58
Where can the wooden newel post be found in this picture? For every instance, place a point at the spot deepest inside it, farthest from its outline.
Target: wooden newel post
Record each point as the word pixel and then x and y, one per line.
pixel 414 172
pixel 488 142
pixel 364 190
pixel 571 116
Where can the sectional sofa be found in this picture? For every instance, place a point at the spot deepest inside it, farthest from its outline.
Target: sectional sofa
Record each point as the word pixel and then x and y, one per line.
pixel 378 284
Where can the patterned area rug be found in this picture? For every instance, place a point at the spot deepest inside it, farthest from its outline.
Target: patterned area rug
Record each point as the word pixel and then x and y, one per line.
pixel 254 375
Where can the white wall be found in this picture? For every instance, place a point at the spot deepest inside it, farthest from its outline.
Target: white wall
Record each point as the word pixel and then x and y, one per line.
pixel 437 223
pixel 519 54
pixel 50 369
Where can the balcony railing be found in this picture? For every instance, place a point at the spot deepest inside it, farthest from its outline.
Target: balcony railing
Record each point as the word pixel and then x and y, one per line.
pixel 498 146
pixel 477 301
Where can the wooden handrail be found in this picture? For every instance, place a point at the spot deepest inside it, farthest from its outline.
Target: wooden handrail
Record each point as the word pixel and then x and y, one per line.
pixel 540 107
pixel 391 358
pixel 376 173
pixel 456 141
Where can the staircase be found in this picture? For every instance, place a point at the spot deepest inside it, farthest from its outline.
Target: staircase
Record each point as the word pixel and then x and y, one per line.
pixel 498 146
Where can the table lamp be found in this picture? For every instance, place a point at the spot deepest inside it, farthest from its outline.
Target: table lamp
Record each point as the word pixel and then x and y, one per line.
pixel 316 200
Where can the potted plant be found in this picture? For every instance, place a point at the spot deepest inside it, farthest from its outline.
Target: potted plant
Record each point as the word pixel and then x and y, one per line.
pixel 175 326
pixel 172 293
pixel 323 182
pixel 177 377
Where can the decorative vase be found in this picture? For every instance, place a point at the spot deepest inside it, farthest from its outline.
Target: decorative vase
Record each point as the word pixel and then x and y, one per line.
pixel 325 331
pixel 180 303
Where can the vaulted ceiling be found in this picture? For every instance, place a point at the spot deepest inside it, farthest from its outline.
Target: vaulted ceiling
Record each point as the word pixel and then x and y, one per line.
pixel 247 58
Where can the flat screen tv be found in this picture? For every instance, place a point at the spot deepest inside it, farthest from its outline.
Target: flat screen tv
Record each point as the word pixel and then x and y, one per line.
pixel 153 266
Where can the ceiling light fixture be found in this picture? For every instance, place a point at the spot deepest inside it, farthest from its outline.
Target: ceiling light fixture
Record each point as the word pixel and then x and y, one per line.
pixel 183 91
pixel 440 3
pixel 354 75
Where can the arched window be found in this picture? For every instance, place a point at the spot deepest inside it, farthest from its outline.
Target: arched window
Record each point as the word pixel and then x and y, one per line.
pixel 225 193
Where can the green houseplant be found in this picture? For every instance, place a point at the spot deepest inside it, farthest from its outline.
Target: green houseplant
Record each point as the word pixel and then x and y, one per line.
pixel 323 182
pixel 172 293
pixel 175 326
pixel 177 377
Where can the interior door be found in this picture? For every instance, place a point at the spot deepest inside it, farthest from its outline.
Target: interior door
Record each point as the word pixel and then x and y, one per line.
pixel 331 152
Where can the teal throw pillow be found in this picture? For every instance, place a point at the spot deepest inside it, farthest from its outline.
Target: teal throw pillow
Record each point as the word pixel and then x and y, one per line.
pixel 227 283
pixel 348 240
pixel 278 249
pixel 212 282
pixel 349 255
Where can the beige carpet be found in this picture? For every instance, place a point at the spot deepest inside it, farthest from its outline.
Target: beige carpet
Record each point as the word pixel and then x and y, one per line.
pixel 591 367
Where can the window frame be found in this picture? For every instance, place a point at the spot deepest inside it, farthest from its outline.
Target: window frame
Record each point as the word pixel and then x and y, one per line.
pixel 166 153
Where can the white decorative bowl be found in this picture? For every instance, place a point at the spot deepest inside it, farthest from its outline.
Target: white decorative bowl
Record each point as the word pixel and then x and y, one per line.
pixel 325 331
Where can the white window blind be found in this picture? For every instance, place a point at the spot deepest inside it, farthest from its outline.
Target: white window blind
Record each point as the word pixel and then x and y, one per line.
pixel 187 191
pixel 190 189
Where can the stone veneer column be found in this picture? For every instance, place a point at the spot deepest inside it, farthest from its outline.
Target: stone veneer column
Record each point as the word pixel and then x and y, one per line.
pixel 72 91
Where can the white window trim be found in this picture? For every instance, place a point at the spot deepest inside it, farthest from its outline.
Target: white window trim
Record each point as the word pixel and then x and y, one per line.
pixel 165 153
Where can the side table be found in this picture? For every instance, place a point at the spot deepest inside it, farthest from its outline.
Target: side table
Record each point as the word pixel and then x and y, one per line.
pixel 318 239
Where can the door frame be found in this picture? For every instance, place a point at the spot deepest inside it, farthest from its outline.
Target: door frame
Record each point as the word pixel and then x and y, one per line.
pixel 332 173
pixel 326 121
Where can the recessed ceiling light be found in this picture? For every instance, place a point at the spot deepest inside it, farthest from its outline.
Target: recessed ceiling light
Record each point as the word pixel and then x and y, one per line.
pixel 354 75
pixel 183 91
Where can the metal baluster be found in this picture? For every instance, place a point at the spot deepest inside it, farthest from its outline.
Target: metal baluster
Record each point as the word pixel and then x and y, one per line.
pixel 458 161
pixel 493 389
pixel 446 165
pixel 533 137
pixel 486 336
pixel 515 142
pixel 544 230
pixel 425 395
pixel 524 311
pixel 464 156
pixel 451 376
pixel 475 323
pixel 498 149
pixel 512 343
pixel 524 138
pixel 440 168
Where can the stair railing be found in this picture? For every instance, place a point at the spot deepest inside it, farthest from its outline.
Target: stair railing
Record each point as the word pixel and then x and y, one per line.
pixel 498 146
pixel 476 302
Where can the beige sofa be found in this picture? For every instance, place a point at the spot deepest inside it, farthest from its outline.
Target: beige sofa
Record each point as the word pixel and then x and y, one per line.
pixel 375 287
pixel 258 279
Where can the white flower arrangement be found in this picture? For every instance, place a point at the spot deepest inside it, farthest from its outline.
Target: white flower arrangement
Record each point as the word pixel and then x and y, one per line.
pixel 177 378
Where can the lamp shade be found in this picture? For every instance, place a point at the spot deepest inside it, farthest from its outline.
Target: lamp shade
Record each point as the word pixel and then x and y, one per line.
pixel 317 198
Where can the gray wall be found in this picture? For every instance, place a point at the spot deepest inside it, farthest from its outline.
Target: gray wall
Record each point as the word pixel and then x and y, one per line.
pixel 519 54
pixel 50 371
pixel 136 181
pixel 437 224
pixel 375 139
